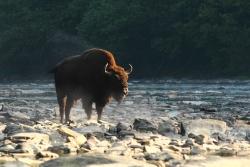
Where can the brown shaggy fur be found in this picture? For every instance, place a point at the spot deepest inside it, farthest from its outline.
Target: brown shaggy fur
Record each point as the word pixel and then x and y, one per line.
pixel 84 77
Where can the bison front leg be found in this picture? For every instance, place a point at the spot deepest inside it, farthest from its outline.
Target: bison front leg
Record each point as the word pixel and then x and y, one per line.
pixel 87 106
pixel 99 110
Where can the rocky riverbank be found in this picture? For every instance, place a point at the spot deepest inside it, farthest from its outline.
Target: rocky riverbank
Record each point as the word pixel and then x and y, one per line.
pixel 204 138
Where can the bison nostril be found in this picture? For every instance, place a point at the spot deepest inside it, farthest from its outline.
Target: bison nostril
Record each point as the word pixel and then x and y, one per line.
pixel 125 91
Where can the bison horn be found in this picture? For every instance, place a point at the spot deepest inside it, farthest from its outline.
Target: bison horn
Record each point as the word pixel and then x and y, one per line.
pixel 106 71
pixel 128 71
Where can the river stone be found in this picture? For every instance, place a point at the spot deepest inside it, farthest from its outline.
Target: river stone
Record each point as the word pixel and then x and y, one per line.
pixel 46 154
pixel 31 137
pixel 13 128
pixel 59 149
pixel 158 156
pixel 123 126
pixel 145 125
pixel 151 149
pixel 205 127
pixel 188 143
pixel 195 150
pixel 126 133
pixel 96 161
pixel 200 139
pixel 21 114
pixel 191 135
pixel 92 129
pixel 79 138
pixel 157 163
pixel 219 137
pixel 2 127
pixel 116 149
pixel 27 147
pixel 174 142
pixel 226 151
pixel 7 148
pixel 167 125
pixel 248 136
pixel 91 143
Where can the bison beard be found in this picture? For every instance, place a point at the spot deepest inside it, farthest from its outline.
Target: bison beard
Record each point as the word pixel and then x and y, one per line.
pixel 93 77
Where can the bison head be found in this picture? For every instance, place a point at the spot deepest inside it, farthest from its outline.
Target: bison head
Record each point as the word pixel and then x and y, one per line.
pixel 118 79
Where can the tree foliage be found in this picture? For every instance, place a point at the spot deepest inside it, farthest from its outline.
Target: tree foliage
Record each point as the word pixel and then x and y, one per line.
pixel 160 38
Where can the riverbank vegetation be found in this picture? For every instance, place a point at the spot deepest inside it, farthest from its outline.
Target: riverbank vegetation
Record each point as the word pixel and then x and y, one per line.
pixel 164 38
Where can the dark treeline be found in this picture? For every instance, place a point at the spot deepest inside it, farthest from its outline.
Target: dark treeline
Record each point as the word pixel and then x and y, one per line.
pixel 161 38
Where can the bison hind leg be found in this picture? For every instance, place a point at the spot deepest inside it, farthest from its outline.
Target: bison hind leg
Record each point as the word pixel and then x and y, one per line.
pixel 99 110
pixel 69 105
pixel 62 103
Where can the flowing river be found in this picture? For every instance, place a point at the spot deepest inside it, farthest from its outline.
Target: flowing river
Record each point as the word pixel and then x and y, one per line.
pixel 147 98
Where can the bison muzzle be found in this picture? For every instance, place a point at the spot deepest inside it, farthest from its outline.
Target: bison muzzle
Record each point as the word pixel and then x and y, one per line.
pixel 93 77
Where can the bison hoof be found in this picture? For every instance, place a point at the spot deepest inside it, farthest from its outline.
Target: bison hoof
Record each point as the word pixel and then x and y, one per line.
pixel 100 121
pixel 68 122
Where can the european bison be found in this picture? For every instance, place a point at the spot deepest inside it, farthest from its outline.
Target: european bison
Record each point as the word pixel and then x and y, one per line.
pixel 93 77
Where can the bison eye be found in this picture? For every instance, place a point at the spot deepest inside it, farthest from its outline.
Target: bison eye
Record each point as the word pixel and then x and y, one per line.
pixel 117 76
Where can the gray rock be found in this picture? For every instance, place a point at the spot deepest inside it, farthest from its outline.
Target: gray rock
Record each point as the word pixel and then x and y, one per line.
pixel 174 142
pixel 2 136
pixel 219 137
pixel 31 137
pixel 174 148
pixel 124 133
pixel 2 128
pixel 167 125
pixel 199 139
pixel 13 128
pixel 46 154
pixel 21 114
pixel 92 128
pixel 123 127
pixel 248 136
pixel 145 125
pixel 151 149
pixel 188 143
pixel 226 151
pixel 158 156
pixel 7 148
pixel 91 143
pixel 116 149
pixel 191 135
pixel 61 149
pixel 26 148
pixel 174 163
pixel 195 150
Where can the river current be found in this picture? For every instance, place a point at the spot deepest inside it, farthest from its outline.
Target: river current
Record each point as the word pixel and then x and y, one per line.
pixel 146 99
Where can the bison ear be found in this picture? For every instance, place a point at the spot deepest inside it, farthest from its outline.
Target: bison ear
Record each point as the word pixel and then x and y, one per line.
pixel 106 70
pixel 128 71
